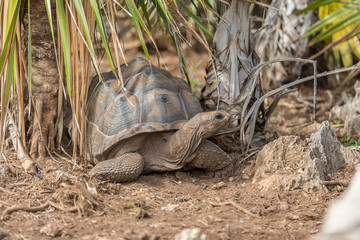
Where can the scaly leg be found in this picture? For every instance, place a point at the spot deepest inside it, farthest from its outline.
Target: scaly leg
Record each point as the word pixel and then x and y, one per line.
pixel 125 168
pixel 212 158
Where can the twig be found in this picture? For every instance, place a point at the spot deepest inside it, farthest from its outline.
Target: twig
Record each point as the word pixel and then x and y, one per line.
pixel 7 191
pixel 63 158
pixel 175 182
pixel 246 155
pixel 35 209
pixel 22 184
pixel 10 166
pixel 252 113
pixel 255 107
pixel 237 206
pixel 339 182
pixel 63 150
pixel 5 203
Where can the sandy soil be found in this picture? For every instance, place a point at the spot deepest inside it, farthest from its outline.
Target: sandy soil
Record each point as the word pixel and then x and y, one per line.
pixel 63 203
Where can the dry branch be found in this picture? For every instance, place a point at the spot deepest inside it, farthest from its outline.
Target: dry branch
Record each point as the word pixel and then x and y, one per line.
pixel 237 206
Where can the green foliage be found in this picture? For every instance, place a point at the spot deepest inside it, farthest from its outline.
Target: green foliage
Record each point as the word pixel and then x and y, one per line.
pixel 349 141
pixel 64 33
pixel 7 57
pixel 171 15
pixel 339 24
pixel 197 21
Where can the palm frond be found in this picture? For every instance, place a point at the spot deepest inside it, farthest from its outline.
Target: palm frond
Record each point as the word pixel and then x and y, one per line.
pixel 7 57
pixel 339 24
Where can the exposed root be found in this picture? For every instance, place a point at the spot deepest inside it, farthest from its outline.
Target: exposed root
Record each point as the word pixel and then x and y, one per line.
pixel 71 199
pixel 36 209
pixel 26 162
pixel 237 206
pixel 43 134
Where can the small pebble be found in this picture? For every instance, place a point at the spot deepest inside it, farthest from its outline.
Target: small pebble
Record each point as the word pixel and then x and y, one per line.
pixel 284 206
pixel 52 229
pixel 219 185
pixel 245 176
pixel 255 210
pixel 272 209
pixel 170 207
pixel 293 217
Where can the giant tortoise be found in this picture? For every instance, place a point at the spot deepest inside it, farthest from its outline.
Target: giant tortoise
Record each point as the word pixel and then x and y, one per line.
pixel 154 123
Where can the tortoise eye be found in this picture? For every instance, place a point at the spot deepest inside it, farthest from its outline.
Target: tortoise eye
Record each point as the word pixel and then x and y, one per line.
pixel 219 116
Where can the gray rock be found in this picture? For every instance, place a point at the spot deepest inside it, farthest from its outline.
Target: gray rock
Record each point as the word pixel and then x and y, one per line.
pixel 292 163
pixel 277 162
pixel 326 155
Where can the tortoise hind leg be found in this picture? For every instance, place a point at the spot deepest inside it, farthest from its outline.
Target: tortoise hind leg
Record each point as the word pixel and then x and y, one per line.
pixel 212 158
pixel 125 168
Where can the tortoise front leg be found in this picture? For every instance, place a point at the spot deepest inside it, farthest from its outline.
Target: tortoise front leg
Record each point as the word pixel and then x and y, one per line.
pixel 125 168
pixel 212 158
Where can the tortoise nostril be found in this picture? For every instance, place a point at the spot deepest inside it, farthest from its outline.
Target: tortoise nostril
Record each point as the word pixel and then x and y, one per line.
pixel 219 116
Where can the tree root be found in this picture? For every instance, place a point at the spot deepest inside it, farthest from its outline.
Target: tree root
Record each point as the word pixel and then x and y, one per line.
pixel 26 162
pixel 47 204
pixel 237 206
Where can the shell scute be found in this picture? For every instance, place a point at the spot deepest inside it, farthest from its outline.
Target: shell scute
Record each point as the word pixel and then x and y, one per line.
pixel 153 100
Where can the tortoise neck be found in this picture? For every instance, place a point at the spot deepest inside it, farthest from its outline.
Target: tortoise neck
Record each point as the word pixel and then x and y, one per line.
pixel 182 144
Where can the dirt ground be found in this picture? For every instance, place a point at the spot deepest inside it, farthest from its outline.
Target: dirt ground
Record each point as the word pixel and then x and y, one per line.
pixel 63 203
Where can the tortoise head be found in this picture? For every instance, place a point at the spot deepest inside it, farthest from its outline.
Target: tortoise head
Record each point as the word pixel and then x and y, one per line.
pixel 208 123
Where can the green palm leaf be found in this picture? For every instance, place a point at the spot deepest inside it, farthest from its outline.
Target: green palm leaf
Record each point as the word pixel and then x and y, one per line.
pixel 339 24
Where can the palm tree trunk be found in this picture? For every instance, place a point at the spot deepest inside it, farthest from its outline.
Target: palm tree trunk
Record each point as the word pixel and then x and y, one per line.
pixel 44 78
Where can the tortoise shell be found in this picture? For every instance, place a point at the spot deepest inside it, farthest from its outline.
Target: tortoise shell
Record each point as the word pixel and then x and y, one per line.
pixel 152 100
